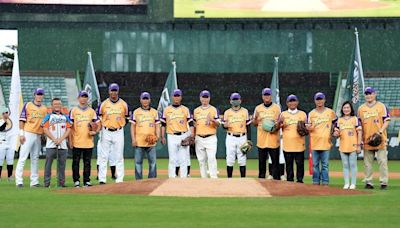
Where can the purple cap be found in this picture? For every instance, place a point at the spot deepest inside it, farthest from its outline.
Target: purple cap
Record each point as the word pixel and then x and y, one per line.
pixel 291 97
pixel 266 91
pixel 39 91
pixel 113 86
pixel 319 95
pixel 235 96
pixel 205 93
pixel 369 90
pixel 177 92
pixel 145 95
pixel 83 93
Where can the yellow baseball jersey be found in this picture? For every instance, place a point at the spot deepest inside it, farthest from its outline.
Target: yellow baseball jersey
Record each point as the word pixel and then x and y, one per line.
pixel 177 119
pixel 372 119
pixel 238 119
pixel 264 138
pixel 322 122
pixel 201 115
pixel 348 133
pixel 145 124
pixel 292 141
pixel 81 117
pixel 33 116
pixel 113 114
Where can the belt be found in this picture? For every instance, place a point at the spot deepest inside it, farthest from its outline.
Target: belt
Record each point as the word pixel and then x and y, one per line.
pixel 113 129
pixel 179 133
pixel 237 135
pixel 205 136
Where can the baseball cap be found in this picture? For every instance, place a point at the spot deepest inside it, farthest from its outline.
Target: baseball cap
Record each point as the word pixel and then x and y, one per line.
pixel 83 93
pixel 39 91
pixel 292 97
pixel 205 93
pixel 145 95
pixel 113 86
pixel 3 109
pixel 235 96
pixel 369 90
pixel 266 91
pixel 177 92
pixel 319 95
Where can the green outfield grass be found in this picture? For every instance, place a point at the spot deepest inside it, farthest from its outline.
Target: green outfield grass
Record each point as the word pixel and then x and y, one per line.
pixel 44 208
pixel 187 8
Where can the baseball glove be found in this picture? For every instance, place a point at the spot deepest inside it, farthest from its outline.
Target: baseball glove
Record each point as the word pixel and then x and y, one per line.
pixel 375 140
pixel 301 128
pixel 187 141
pixel 92 126
pixel 151 139
pixel 246 147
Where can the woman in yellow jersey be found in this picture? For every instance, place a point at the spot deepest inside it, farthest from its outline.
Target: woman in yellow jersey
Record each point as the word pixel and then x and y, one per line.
pixel 348 129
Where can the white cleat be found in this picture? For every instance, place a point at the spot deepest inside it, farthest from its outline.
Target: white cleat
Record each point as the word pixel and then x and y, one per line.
pixel 283 178
pixel 270 177
pixel 346 186
pixel 352 186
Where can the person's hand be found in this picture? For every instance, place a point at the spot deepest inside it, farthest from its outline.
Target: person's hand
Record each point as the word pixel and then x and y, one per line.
pixel 309 126
pixel 227 124
pixel 163 141
pixel 134 143
pixel 57 142
pixel 358 150
pixel 92 133
pixel 336 132
pixel 22 139
pixel 209 120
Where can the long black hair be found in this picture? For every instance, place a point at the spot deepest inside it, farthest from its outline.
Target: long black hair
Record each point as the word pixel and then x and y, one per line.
pixel 351 108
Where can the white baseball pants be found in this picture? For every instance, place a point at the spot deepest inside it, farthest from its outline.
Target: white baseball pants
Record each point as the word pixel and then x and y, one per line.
pixel 31 146
pixel 206 151
pixel 112 146
pixel 233 144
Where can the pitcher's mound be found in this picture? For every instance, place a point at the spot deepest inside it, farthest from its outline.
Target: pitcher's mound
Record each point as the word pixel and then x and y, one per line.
pixel 196 187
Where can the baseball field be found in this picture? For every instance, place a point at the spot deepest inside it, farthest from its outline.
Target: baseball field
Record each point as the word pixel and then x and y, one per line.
pixel 285 8
pixel 41 207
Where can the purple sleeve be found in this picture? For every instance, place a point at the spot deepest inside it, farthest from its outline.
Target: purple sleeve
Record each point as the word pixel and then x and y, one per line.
pixel 386 116
pixel 98 109
pixel 23 113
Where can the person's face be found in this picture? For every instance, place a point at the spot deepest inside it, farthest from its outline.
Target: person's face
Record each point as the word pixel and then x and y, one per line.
pixel 205 100
pixel 320 102
pixel 267 98
pixel 113 94
pixel 39 97
pixel 236 102
pixel 56 106
pixel 5 115
pixel 370 97
pixel 83 100
pixel 292 104
pixel 145 102
pixel 177 99
pixel 346 109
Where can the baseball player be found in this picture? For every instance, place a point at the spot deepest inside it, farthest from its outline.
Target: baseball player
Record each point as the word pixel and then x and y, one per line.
pixel 81 138
pixel 113 113
pixel 145 121
pixel 111 160
pixel 177 122
pixel 56 126
pixel 206 119
pixel 5 151
pixel 320 122
pixel 267 142
pixel 293 143
pixel 375 118
pixel 30 136
pixel 237 123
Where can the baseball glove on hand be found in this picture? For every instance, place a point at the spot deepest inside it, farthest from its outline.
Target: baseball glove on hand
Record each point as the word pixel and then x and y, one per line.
pixel 93 126
pixel 151 139
pixel 188 141
pixel 246 147
pixel 301 128
pixel 375 140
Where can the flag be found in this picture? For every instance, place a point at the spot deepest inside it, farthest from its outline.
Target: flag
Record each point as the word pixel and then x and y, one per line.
pixel 15 104
pixel 170 85
pixel 90 82
pixel 275 94
pixel 355 76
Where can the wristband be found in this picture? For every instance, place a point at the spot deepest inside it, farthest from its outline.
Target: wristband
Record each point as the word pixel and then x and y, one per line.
pixel 21 132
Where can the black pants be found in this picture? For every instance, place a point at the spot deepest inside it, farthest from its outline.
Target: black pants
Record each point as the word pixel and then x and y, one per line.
pixel 281 168
pixel 299 158
pixel 86 154
pixel 262 162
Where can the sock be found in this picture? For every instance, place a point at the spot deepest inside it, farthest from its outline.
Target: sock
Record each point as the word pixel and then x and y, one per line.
pixel 177 171
pixel 112 171
pixel 97 178
pixel 229 170
pixel 242 171
pixel 1 168
pixel 188 170
pixel 10 169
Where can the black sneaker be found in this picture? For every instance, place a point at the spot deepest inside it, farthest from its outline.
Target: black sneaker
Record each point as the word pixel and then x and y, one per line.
pixel 369 186
pixel 35 186
pixel 46 186
pixel 20 185
pixel 114 177
pixel 87 184
pixel 101 183
pixel 76 184
pixel 384 187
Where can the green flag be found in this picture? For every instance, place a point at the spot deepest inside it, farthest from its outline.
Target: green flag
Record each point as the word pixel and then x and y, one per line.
pixel 355 76
pixel 90 82
pixel 275 83
pixel 170 85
